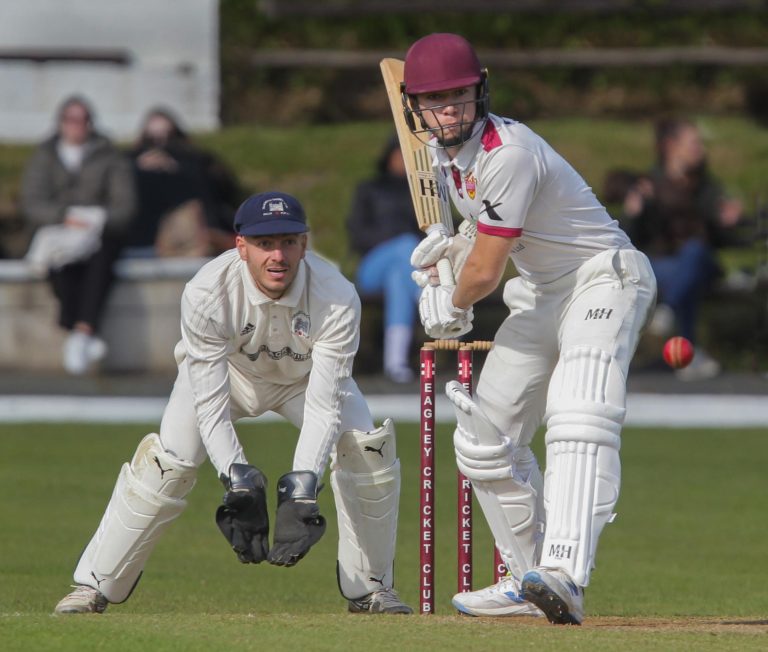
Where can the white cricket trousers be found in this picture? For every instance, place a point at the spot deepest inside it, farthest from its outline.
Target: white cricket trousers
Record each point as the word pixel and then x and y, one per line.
pixel 179 432
pixel 604 303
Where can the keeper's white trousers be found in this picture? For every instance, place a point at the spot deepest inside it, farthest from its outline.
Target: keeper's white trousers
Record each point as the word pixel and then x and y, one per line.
pixel 179 431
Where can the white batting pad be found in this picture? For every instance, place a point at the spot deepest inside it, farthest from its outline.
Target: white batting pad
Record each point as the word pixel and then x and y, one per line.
pixel 584 418
pixel 365 477
pixel 507 482
pixel 148 495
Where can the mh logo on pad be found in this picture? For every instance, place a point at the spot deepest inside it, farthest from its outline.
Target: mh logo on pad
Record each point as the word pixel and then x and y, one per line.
pixel 560 551
pixel 599 313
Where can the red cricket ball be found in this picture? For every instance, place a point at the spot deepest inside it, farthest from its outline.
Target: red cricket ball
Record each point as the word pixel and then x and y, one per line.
pixel 678 352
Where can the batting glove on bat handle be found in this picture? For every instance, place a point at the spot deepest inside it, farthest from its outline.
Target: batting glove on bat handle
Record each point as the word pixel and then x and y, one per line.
pixel 299 524
pixel 432 248
pixel 243 517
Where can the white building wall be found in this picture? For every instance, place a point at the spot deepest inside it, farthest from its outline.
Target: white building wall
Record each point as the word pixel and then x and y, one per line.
pixel 172 47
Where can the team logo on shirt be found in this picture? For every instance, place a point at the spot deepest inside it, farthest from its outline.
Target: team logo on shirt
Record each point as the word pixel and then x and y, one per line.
pixel 470 183
pixel 249 328
pixel 300 324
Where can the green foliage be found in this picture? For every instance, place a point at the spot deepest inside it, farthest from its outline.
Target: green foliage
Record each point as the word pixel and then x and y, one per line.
pixel 332 95
pixel 681 568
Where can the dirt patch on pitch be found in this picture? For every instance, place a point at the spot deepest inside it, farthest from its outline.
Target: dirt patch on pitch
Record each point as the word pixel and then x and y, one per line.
pixel 703 624
pixel 707 625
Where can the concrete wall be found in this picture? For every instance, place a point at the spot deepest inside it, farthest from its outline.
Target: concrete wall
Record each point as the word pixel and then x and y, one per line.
pixel 171 49
pixel 141 325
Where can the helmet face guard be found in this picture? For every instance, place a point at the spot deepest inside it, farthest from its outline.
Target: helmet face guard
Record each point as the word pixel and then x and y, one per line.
pixel 435 136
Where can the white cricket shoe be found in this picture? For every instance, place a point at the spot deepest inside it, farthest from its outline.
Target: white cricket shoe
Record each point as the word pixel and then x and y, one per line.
pixel 500 599
pixel 83 600
pixel 384 601
pixel 552 591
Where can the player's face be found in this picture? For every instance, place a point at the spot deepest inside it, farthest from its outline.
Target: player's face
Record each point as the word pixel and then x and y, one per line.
pixel 272 260
pixel 449 114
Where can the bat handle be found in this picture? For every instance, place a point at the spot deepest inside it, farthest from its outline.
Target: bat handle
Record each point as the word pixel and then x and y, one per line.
pixel 445 272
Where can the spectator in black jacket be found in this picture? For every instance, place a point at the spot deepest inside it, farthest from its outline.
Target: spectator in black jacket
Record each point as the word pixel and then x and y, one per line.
pixel 187 196
pixel 383 231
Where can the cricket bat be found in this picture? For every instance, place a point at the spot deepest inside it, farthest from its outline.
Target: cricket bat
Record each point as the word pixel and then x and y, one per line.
pixel 428 191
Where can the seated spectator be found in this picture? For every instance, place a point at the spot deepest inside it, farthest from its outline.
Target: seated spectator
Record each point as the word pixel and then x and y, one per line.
pixel 187 196
pixel 78 191
pixel 383 232
pixel 678 215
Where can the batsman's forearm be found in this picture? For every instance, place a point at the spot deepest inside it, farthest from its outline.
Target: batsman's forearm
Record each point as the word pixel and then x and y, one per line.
pixel 475 282
pixel 469 292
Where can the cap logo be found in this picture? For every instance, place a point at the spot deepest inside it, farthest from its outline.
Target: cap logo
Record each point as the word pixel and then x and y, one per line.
pixel 271 206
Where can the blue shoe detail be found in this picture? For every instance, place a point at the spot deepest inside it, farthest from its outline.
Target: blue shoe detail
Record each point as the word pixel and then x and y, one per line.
pixel 514 596
pixel 555 608
pixel 461 609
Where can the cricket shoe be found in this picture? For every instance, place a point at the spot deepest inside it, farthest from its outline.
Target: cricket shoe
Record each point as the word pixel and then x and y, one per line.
pixel 555 593
pixel 83 600
pixel 384 601
pixel 500 599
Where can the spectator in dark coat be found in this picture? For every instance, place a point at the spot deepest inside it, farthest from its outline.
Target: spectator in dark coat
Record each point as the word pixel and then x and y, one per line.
pixel 79 188
pixel 383 232
pixel 679 215
pixel 187 196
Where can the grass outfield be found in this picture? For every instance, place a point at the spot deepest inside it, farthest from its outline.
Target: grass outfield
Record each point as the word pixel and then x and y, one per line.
pixel 682 568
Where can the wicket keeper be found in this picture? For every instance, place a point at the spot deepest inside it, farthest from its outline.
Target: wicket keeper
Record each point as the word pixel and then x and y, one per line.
pixel 268 325
pixel 576 309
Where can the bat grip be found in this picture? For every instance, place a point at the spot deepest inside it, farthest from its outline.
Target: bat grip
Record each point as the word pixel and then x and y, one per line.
pixel 445 272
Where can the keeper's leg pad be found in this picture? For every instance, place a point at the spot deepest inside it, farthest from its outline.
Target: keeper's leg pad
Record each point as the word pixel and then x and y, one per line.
pixel 506 480
pixel 148 495
pixel 365 477
pixel 585 413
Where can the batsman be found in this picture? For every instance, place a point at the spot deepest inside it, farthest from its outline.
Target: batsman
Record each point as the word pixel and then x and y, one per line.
pixel 577 306
pixel 268 325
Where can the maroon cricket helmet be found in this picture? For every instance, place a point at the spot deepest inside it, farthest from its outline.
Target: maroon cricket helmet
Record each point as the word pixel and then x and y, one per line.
pixel 440 62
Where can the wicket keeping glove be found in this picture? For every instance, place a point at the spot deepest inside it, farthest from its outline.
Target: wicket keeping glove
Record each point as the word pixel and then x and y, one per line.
pixel 440 318
pixel 243 517
pixel 298 525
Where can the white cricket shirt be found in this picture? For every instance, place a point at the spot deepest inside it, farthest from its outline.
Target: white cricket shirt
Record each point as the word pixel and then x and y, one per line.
pixel 312 330
pixel 512 183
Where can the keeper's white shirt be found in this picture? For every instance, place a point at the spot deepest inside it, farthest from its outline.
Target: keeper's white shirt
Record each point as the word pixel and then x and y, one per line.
pixel 230 330
pixel 512 183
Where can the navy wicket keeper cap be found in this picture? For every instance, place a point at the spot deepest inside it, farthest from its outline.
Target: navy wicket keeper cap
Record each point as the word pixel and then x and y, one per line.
pixel 270 213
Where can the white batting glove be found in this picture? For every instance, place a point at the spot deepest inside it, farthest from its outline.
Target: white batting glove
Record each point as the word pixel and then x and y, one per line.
pixel 440 318
pixel 458 252
pixel 453 248
pixel 432 248
pixel 425 277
